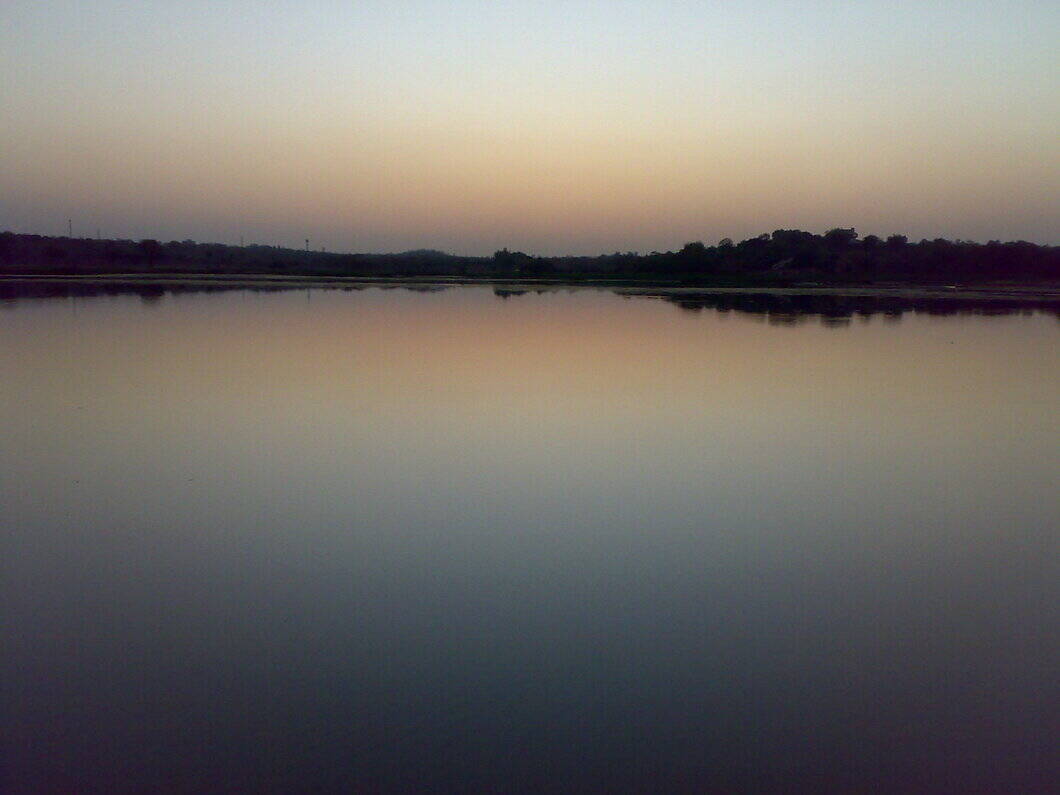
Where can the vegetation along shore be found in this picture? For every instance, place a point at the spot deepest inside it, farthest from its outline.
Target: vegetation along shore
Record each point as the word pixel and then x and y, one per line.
pixel 782 258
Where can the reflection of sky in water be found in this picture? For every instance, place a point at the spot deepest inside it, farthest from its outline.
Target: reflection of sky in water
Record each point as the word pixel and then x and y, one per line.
pixel 381 537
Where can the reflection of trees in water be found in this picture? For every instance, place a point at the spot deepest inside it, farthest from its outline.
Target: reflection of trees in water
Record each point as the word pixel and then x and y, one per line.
pixel 839 310
pixel 504 294
pixel 778 309
pixel 14 290
pixel 148 292
pixel 151 295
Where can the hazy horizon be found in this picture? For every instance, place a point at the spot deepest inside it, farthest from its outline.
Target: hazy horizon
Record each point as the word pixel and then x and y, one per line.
pixel 559 128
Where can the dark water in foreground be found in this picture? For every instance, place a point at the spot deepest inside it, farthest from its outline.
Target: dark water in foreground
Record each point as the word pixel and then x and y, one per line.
pixel 390 540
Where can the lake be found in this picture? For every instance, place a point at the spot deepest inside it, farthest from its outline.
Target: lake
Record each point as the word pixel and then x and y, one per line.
pixel 475 540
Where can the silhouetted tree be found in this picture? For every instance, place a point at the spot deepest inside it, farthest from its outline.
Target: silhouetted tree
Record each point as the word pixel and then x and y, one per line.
pixel 840 237
pixel 151 250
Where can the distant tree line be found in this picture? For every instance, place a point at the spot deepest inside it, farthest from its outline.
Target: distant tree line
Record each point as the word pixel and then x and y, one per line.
pixel 787 256
pixel 794 256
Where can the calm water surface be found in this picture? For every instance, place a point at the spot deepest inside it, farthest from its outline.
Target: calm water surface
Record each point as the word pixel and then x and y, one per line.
pixel 389 540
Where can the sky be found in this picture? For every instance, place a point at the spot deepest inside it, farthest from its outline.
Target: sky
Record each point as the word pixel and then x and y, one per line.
pixel 548 127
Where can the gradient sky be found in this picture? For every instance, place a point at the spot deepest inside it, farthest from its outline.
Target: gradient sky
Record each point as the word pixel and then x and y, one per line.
pixel 550 127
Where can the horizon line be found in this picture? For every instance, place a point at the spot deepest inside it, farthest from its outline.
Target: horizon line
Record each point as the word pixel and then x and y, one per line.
pixel 428 250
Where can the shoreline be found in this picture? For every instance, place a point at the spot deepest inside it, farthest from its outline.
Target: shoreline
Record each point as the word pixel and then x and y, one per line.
pixel 986 291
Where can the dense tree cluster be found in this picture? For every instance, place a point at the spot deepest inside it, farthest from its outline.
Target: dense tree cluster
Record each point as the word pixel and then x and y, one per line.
pixel 787 256
pixel 838 256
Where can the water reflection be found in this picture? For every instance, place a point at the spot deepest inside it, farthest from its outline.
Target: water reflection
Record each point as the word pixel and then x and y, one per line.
pixel 570 540
pixel 831 308
pixel 836 308
pixel 13 289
